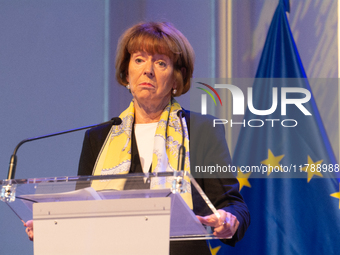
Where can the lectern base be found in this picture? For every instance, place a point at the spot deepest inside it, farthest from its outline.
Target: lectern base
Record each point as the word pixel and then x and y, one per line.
pixel 122 227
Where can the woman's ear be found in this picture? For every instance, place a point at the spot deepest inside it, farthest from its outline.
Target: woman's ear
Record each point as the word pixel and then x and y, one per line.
pixel 184 72
pixel 174 84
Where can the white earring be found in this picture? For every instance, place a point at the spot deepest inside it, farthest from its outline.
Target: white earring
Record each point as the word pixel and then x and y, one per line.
pixel 174 91
pixel 128 87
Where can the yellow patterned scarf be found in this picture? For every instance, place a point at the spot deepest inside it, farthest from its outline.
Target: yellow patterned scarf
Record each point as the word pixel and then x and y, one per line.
pixel 115 155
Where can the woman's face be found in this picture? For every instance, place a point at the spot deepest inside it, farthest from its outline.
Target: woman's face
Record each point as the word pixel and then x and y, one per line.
pixel 151 78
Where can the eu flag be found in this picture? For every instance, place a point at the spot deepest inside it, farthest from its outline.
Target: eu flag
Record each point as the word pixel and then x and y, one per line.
pixel 288 215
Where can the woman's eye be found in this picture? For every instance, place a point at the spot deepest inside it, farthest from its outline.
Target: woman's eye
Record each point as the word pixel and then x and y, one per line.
pixel 162 63
pixel 138 60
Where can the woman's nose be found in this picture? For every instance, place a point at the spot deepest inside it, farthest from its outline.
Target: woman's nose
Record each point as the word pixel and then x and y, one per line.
pixel 148 70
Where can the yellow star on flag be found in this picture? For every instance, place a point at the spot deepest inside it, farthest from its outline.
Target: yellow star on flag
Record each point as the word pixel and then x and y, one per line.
pixel 243 178
pixel 215 250
pixel 272 161
pixel 337 195
pixel 311 168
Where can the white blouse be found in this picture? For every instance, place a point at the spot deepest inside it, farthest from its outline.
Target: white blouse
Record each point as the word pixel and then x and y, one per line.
pixel 145 134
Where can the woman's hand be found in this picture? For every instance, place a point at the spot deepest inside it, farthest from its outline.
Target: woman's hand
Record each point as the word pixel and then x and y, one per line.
pixel 225 226
pixel 29 229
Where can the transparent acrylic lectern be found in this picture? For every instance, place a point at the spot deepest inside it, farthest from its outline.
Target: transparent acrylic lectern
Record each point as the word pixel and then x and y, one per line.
pixel 90 215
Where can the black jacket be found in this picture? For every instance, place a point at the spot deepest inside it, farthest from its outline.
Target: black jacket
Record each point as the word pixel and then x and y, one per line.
pixel 208 147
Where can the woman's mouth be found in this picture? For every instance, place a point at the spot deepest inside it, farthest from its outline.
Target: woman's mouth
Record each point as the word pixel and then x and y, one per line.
pixel 146 84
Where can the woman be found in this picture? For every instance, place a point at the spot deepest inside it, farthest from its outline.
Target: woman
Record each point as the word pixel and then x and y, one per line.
pixel 155 62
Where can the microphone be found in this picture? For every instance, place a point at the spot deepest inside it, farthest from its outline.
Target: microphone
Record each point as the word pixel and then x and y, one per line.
pixel 181 151
pixel 13 160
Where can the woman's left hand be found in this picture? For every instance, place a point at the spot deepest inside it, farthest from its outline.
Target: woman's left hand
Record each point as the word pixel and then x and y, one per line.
pixel 225 226
pixel 29 229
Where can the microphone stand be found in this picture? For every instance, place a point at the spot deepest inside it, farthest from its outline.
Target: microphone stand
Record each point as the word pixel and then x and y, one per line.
pixel 13 160
pixel 8 191
pixel 179 184
pixel 181 151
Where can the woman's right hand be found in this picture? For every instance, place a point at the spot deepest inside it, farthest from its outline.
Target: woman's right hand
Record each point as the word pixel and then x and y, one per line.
pixel 29 229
